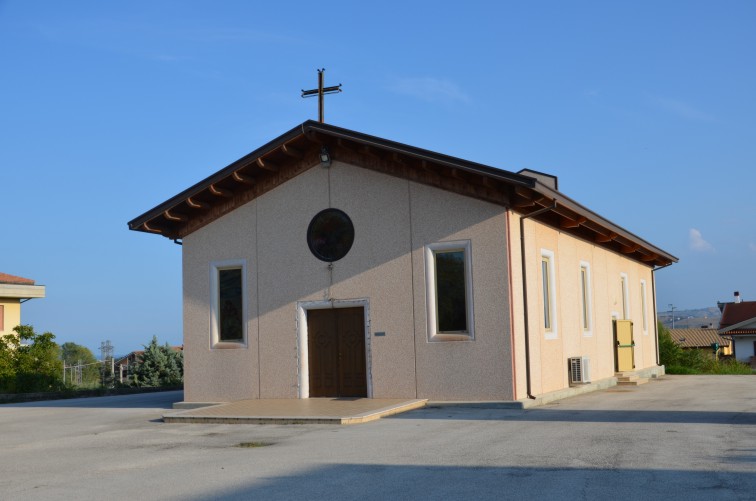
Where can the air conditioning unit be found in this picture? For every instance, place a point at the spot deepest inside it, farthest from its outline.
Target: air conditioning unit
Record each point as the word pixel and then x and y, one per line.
pixel 580 370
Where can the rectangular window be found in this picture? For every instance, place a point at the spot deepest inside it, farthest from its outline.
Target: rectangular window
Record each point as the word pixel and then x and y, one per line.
pixel 2 317
pixel 228 324
pixel 585 297
pixel 624 295
pixel 230 296
pixel 449 289
pixel 451 305
pixel 643 306
pixel 545 261
pixel 548 288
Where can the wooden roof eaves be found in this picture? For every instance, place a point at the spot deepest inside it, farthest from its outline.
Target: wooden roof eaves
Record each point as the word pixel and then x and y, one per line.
pixel 420 153
pixel 224 173
pixel 616 231
pixel 310 129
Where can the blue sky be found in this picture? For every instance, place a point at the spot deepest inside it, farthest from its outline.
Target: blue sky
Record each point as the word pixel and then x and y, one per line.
pixel 645 110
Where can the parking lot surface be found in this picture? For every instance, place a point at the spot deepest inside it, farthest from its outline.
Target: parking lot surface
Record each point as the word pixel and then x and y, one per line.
pixel 679 437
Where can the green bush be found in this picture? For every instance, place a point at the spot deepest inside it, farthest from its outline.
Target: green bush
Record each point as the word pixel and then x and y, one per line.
pixel 159 366
pixel 29 362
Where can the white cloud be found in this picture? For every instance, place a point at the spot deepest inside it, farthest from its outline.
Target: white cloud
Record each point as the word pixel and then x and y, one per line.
pixel 697 242
pixel 682 109
pixel 430 89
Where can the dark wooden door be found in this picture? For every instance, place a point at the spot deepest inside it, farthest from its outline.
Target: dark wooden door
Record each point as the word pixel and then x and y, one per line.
pixel 336 344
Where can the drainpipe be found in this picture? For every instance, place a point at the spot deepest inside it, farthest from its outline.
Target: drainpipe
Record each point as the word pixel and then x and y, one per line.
pixel 525 291
pixel 653 291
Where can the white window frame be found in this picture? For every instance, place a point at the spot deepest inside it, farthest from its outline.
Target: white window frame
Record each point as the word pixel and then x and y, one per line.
pixel 586 299
pixel 215 269
pixel 644 306
pixel 625 296
pixel 553 331
pixel 430 291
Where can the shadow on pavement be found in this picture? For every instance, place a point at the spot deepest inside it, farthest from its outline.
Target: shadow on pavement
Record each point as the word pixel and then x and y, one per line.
pixel 581 416
pixel 153 400
pixel 381 481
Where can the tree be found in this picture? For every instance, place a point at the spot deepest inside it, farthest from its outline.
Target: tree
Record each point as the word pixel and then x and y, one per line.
pixel 74 354
pixel 29 362
pixel 670 353
pixel 159 366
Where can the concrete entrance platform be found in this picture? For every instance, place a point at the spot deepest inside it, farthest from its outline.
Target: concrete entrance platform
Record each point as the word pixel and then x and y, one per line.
pixel 296 411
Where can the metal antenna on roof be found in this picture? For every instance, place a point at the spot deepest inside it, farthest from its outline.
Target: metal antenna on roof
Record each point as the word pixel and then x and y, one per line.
pixel 320 92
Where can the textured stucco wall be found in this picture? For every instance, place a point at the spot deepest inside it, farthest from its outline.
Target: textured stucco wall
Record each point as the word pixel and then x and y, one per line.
pixel 228 374
pixel 464 370
pixel 549 356
pixel 394 219
pixel 11 315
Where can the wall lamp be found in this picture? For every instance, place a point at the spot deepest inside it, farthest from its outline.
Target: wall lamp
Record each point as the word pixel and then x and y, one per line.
pixel 325 157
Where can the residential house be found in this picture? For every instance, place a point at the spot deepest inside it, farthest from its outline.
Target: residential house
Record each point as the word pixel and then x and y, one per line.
pixel 738 323
pixel 14 291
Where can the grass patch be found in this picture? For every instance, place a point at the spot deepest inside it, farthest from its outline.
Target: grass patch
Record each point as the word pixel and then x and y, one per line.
pixel 679 369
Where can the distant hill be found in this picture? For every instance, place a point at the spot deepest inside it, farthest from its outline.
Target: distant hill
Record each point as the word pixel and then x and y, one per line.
pixel 685 319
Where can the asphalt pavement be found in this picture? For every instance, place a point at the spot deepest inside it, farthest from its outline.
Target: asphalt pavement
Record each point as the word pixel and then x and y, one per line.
pixel 678 437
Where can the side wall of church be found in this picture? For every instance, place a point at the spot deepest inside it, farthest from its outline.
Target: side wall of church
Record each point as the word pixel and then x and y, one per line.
pixel 570 335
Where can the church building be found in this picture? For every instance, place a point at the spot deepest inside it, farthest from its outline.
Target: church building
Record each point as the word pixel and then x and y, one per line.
pixel 331 263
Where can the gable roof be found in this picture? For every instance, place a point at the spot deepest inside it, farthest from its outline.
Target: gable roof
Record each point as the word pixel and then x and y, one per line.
pixel 298 150
pixel 737 316
pixel 697 338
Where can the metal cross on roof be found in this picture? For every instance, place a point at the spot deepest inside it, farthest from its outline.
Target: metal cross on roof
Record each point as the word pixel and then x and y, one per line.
pixel 320 92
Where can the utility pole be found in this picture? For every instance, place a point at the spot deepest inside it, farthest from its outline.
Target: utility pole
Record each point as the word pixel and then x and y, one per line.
pixel 106 351
pixel 672 309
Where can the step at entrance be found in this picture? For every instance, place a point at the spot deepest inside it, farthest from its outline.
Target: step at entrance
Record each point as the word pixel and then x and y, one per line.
pixel 630 379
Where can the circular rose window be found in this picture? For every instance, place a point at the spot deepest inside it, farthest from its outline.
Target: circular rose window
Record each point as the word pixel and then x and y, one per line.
pixel 330 235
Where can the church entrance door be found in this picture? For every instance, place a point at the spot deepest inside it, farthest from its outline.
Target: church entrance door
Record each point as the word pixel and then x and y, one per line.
pixel 336 346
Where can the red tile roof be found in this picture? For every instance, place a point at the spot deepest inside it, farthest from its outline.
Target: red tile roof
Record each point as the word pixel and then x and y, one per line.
pixel 12 279
pixel 741 332
pixel 734 313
